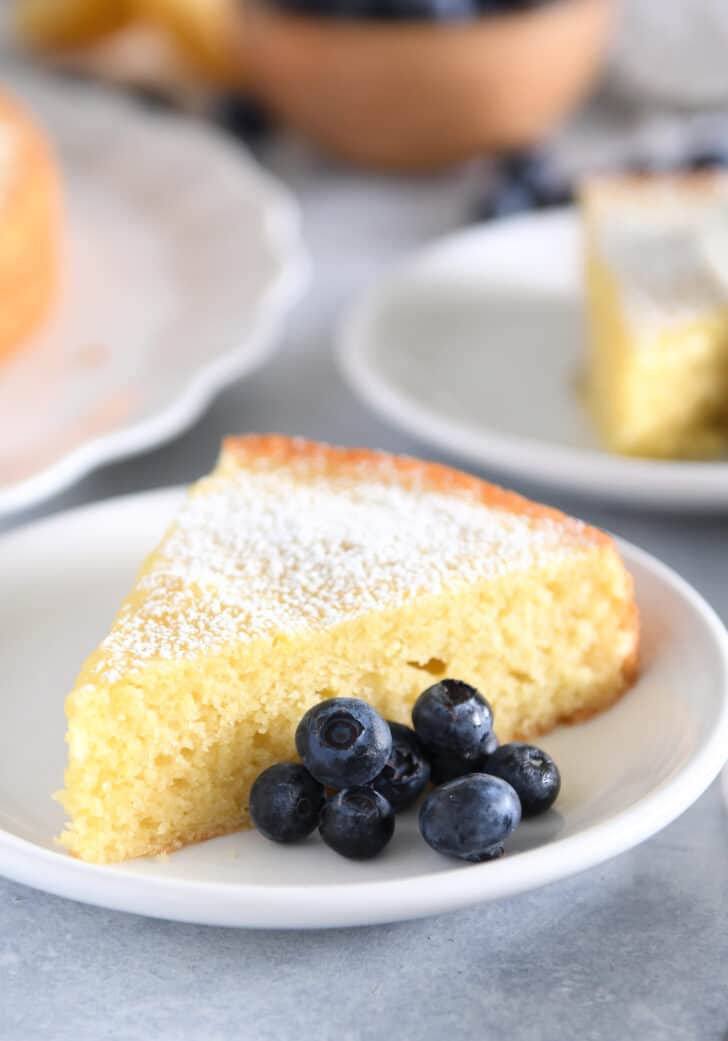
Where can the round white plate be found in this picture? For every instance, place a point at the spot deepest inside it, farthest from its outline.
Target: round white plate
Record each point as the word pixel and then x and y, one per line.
pixel 626 773
pixel 477 346
pixel 182 259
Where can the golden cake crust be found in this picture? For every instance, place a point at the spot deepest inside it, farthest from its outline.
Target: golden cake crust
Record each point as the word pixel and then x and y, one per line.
pixel 30 209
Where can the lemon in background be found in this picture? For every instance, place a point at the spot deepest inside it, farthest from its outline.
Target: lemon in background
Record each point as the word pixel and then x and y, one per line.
pixel 70 23
pixel 199 30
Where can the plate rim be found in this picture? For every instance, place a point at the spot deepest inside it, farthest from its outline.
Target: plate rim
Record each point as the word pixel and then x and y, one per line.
pixel 344 904
pixel 283 228
pixel 644 483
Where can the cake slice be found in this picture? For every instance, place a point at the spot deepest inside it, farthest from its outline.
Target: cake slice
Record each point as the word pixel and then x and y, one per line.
pixel 657 297
pixel 29 225
pixel 296 572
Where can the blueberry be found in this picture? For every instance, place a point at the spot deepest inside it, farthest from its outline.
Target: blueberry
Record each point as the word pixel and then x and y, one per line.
pixel 492 853
pixel 431 10
pixel 387 10
pixel 285 802
pixel 445 766
pixel 506 200
pixel 357 823
pixel 242 117
pixel 328 8
pixel 506 6
pixel 531 772
pixel 469 817
pixel 453 719
pixel 407 770
pixel 708 158
pixel 343 742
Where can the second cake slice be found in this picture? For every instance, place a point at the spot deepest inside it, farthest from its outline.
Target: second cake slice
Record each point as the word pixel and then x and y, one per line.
pixel 657 292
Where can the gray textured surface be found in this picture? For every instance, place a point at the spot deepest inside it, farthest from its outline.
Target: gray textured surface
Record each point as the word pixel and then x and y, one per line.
pixel 637 948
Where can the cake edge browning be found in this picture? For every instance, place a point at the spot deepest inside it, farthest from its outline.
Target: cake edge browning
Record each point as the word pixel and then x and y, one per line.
pixel 314 457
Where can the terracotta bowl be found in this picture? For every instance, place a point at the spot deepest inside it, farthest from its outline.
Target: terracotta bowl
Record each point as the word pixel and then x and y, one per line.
pixel 406 96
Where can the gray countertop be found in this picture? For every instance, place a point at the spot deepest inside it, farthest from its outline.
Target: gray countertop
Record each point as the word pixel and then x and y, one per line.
pixel 636 948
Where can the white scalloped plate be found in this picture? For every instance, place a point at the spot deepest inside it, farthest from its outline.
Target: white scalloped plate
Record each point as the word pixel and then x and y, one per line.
pixel 477 345
pixel 183 257
pixel 626 773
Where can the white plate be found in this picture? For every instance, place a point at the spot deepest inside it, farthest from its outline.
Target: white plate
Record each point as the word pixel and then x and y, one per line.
pixel 182 259
pixel 626 773
pixel 477 344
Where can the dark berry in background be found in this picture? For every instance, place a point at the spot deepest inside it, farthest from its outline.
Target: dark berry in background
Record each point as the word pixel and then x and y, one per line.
pixel 407 10
pixel 242 117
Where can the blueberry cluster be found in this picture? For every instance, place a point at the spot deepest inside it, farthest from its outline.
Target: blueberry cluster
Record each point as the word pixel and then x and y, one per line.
pixel 358 771
pixel 403 10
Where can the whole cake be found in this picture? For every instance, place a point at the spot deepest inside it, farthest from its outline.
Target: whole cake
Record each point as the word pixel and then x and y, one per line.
pixel 29 225
pixel 657 295
pixel 297 571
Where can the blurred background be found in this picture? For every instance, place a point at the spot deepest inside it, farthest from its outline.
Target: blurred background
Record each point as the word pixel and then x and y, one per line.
pixel 418 85
pixel 390 122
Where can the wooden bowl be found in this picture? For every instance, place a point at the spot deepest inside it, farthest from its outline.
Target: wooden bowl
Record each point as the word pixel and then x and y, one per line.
pixel 415 96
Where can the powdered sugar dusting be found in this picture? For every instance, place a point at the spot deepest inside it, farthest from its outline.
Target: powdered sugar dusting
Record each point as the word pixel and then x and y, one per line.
pixel 660 243
pixel 264 552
